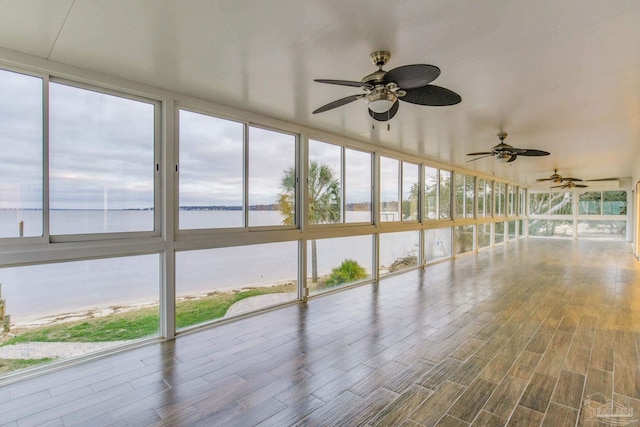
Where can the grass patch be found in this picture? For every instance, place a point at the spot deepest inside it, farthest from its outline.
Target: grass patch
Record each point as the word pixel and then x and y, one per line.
pixel 143 322
pixel 10 365
pixel 215 306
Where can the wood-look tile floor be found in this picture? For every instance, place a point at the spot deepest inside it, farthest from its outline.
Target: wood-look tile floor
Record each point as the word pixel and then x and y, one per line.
pixel 520 335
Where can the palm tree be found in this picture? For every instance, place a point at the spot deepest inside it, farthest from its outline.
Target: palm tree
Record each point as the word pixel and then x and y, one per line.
pixel 324 202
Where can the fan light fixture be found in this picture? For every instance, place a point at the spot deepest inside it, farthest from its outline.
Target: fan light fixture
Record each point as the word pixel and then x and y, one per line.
pixel 381 101
pixel 503 156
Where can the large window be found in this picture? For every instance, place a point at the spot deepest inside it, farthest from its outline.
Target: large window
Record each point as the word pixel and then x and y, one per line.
pixel 484 234
pixel 469 196
pixel 590 203
pixel 603 203
pixel 389 189
pixel 102 162
pixel 464 190
pixel 445 194
pixel 21 193
pixel 398 251
pixel 410 193
pixel 464 238
pixel 339 193
pixel 437 244
pixel 212 174
pixel 511 230
pixel 272 177
pixel 357 186
pixel 555 203
pixel 103 302
pixel 551 228
pixel 398 181
pixel 337 262
pixel 498 232
pixel 501 198
pixel 481 196
pixel 602 229
pixel 211 283
pixel 511 200
pixel 430 193
pixel 522 201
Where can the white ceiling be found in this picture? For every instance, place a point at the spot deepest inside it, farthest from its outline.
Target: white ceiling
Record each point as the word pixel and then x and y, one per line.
pixel 561 76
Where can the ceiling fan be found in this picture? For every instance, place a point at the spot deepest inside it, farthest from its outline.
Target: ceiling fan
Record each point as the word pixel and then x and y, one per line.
pixel 570 184
pixel 505 152
pixel 557 178
pixel 382 89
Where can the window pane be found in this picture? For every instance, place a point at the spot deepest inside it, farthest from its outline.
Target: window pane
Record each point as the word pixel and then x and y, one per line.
pixel 551 228
pixel 410 182
pixel 481 202
pixel 357 186
pixel 464 238
pixel 498 236
pixel 102 162
pixel 511 232
pixel 437 244
pixel 325 200
pixel 488 203
pixel 469 192
pixel 458 185
pixel 211 282
pixel 445 194
pixel 105 302
pixel 389 189
pixel 272 177
pixel 398 251
pixel 539 203
pixel 484 235
pixel 511 200
pixel 614 203
pixel 21 161
pixel 521 228
pixel 561 203
pixel 431 192
pixel 590 203
pixel 603 230
pixel 500 198
pixel 211 177
pixel 339 261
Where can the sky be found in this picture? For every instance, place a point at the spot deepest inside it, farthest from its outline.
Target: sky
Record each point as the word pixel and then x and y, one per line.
pixel 101 153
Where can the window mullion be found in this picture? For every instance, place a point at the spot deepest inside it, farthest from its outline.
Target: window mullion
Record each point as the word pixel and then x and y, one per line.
pixel 46 223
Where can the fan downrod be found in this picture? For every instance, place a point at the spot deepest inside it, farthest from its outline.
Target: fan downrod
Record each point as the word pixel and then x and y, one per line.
pixel 380 58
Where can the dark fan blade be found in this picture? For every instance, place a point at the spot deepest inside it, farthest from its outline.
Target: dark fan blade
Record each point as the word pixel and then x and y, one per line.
pixel 345 83
pixel 528 152
pixel 338 103
pixel 412 76
pixel 383 117
pixel 432 95
pixel 580 186
pixel 480 153
pixel 557 186
pixel 571 179
pixel 478 158
pixel 512 158
pixel 544 179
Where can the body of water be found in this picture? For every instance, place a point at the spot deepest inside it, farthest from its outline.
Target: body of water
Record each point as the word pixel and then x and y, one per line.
pixel 35 291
